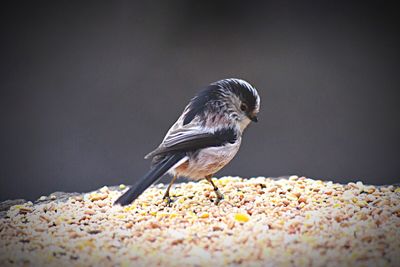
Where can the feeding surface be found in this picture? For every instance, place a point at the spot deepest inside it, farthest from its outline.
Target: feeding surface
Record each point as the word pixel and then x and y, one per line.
pixel 261 222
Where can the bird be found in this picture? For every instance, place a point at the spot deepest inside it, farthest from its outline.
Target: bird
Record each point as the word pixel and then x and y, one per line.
pixel 204 139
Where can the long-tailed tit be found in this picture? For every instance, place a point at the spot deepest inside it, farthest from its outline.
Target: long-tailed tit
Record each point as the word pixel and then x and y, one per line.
pixel 205 137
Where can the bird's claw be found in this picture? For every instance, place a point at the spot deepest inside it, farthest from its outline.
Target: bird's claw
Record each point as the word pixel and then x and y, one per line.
pixel 167 200
pixel 220 197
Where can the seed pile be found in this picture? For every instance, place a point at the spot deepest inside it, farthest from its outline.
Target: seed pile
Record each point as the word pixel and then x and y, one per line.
pixel 261 222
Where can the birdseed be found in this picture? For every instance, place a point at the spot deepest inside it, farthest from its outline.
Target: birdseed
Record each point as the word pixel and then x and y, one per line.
pixel 261 222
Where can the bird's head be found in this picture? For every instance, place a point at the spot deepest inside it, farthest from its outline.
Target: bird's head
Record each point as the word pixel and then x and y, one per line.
pixel 233 99
pixel 242 99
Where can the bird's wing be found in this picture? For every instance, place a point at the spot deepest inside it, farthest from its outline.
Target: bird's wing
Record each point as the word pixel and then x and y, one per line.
pixel 192 138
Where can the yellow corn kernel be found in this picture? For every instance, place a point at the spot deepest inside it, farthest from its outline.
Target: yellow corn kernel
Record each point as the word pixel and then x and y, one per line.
pixel 242 217
pixel 153 213
pixel 224 181
pixel 162 215
pixel 129 208
pixel 204 215
pixel 120 216
pixel 173 215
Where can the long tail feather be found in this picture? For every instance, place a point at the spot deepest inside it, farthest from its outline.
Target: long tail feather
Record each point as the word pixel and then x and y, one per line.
pixel 155 173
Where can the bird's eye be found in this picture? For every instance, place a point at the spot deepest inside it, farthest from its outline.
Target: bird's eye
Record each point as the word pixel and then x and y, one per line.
pixel 243 107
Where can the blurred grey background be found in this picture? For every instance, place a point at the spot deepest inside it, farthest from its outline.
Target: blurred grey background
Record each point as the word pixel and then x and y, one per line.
pixel 88 88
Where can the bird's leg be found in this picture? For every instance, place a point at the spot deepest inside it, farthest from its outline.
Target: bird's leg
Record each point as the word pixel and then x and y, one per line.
pixel 220 196
pixel 166 197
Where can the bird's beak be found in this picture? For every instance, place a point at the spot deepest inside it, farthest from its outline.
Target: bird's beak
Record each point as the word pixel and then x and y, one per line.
pixel 253 118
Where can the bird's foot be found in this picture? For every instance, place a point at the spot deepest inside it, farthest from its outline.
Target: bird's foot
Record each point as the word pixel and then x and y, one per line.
pixel 220 197
pixel 167 200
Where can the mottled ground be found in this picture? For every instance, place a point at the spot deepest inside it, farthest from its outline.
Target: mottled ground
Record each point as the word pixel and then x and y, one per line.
pixel 262 222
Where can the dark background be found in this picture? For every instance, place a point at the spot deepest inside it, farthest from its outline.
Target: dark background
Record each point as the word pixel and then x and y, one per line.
pixel 87 89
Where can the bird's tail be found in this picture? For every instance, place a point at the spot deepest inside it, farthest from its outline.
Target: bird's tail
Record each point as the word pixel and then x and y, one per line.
pixel 150 178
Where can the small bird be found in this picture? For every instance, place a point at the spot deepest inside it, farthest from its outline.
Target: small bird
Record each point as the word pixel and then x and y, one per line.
pixel 204 139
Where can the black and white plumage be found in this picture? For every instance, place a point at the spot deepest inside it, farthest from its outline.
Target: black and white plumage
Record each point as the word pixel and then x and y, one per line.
pixel 205 137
